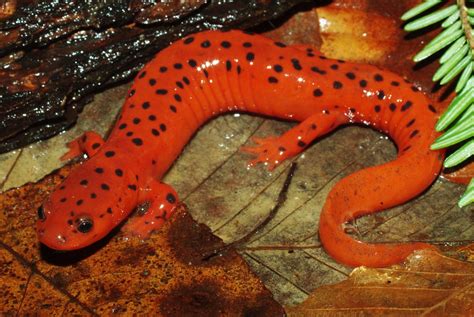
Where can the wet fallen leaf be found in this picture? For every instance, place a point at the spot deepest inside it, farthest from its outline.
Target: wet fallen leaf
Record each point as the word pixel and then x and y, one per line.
pixel 427 284
pixel 166 275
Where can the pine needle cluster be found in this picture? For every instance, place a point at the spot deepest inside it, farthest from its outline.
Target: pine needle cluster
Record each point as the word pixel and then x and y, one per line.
pixel 456 46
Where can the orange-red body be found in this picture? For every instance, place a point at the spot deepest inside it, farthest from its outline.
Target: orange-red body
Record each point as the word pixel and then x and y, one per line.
pixel 210 73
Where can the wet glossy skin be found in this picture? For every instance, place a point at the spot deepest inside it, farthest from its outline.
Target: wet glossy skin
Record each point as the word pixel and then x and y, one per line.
pixel 213 72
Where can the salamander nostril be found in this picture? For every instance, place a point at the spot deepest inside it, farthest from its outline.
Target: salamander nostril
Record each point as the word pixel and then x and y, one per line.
pixel 41 214
pixel 84 225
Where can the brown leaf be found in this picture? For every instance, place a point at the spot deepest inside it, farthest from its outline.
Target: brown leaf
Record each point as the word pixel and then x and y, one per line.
pixel 427 284
pixel 165 275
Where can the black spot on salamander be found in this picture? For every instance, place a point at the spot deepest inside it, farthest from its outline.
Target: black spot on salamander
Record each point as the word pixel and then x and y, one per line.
pixel 109 154
pixel 79 202
pixel 334 66
pixel 188 40
pixel 132 187
pixel 206 44
pixel 350 75
pixel 377 108
pixel 380 94
pixel 63 200
pixel 131 93
pixel 109 210
pixel 280 44
pixel 152 82
pixel 186 80
pixel 122 126
pixel 146 105
pixel 247 44
pixel 337 85
pixel 163 69
pixel 179 84
pixel 272 80
pixel 414 133
pixel 170 198
pixel 178 66
pixel 378 77
pixel 204 71
pixel 318 70
pixel 225 44
pixel 84 182
pixel 296 64
pixel 192 63
pixel 392 107
pixel 137 141
pixel 415 89
pixel 136 120
pixel 163 127
pixel 301 143
pixel 431 108
pixel 395 83
pixel 118 172
pixel 281 149
pixel 239 69
pixel 142 74
pixel 161 92
pixel 105 186
pixel 410 123
pixel 173 108
pixel 363 83
pixel 278 68
pixel 99 170
pixel 155 132
pixel 406 106
pixel 177 97
pixel 95 146
pixel 93 195
pixel 250 56
pixel 152 117
pixel 129 133
pixel 228 65
pixel 317 92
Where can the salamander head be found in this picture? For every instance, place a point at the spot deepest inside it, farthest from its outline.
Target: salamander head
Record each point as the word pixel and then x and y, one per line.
pixel 86 207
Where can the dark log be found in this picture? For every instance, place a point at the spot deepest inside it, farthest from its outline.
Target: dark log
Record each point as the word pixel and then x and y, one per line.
pixel 54 55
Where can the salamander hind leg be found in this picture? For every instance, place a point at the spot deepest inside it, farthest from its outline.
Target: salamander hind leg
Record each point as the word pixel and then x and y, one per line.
pixel 89 143
pixel 273 151
pixel 158 201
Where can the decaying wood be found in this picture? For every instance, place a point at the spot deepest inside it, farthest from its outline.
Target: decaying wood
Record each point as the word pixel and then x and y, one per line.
pixel 54 55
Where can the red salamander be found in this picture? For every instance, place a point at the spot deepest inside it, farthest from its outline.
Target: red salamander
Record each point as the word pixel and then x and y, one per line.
pixel 214 72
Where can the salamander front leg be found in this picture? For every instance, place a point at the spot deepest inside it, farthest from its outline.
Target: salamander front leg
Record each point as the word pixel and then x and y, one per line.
pixel 89 143
pixel 273 151
pixel 157 202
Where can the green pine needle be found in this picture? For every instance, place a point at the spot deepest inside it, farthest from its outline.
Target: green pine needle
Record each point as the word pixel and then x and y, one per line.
pixel 457 106
pixel 451 63
pixel 457 41
pixel 455 47
pixel 461 154
pixel 431 18
pixel 466 74
pixel 468 197
pixel 456 70
pixel 448 36
pixel 449 21
pixel 420 9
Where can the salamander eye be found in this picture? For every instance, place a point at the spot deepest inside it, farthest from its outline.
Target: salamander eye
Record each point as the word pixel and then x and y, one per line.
pixel 41 214
pixel 84 225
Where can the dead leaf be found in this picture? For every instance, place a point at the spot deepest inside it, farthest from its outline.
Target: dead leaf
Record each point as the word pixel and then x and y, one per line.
pixel 166 275
pixel 428 284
